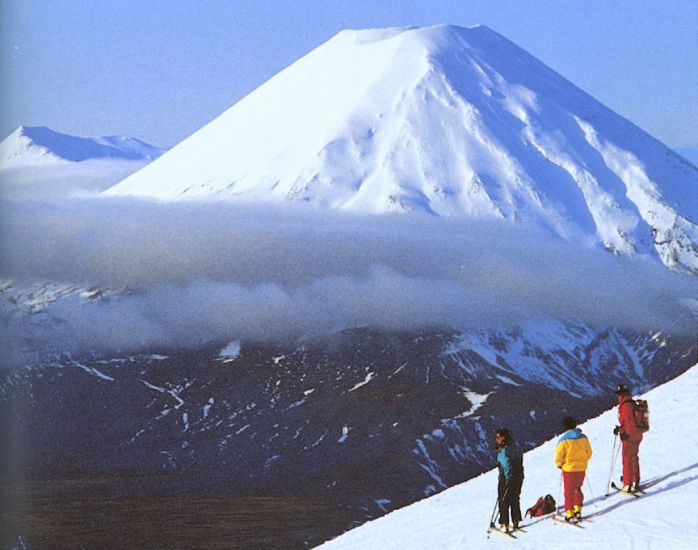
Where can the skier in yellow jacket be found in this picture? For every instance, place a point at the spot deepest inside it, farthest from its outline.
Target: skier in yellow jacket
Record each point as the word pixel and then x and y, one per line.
pixel 572 455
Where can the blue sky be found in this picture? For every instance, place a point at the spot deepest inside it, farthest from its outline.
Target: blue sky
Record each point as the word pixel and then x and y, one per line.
pixel 159 70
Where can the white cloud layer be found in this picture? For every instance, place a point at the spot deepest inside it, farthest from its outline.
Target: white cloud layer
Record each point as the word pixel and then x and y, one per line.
pixel 199 273
pixel 60 180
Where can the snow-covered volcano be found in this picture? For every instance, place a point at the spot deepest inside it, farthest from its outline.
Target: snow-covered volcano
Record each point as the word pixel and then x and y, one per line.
pixel 38 146
pixel 447 120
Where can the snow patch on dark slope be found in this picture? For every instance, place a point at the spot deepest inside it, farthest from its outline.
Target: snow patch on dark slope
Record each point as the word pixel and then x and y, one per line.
pixel 446 120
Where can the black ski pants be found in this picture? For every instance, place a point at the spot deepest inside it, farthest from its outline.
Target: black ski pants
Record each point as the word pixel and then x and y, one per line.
pixel 509 494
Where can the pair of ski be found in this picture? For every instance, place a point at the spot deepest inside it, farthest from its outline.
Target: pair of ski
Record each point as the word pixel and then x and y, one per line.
pixel 574 523
pixel 635 494
pixel 509 534
pixel 554 517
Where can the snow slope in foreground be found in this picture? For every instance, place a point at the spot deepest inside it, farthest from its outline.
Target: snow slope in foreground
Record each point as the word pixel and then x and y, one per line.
pixel 665 517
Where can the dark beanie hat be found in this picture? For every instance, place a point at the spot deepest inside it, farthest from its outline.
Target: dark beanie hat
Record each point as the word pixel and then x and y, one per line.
pixel 569 423
pixel 621 389
pixel 506 434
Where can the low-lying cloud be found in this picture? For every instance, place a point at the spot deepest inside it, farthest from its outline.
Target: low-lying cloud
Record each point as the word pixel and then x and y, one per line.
pixel 56 181
pixel 196 273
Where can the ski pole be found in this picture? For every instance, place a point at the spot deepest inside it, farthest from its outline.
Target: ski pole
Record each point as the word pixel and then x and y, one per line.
pixel 614 456
pixel 559 492
pixel 615 460
pixel 494 512
pixel 610 473
pixel 591 492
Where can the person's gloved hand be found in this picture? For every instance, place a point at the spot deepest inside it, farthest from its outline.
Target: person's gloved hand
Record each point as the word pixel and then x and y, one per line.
pixel 624 437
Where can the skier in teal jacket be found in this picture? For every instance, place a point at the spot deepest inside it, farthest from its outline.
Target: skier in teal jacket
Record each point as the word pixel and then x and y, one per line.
pixel 511 476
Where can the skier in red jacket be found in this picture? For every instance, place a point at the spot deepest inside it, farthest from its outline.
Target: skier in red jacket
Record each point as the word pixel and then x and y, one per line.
pixel 630 438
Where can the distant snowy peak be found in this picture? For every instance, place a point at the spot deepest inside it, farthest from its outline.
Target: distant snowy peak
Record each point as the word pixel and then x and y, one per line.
pixel 446 120
pixel 39 145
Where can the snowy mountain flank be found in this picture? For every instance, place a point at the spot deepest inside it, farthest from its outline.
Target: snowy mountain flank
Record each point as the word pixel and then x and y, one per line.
pixel 39 146
pixel 661 518
pixel 446 120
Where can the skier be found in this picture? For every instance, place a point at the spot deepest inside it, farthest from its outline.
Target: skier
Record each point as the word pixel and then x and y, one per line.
pixel 630 438
pixel 511 476
pixel 572 455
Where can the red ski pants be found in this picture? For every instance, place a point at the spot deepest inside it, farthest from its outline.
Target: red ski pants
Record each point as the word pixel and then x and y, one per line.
pixel 573 482
pixel 631 462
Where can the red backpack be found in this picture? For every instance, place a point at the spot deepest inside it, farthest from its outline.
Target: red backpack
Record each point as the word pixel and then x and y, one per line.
pixel 641 415
pixel 544 505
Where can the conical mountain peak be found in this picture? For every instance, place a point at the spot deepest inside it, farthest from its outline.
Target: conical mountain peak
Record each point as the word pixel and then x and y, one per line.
pixel 447 120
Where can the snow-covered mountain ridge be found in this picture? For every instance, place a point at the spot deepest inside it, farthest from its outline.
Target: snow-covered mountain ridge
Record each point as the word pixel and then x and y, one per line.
pixel 447 120
pixel 660 518
pixel 38 145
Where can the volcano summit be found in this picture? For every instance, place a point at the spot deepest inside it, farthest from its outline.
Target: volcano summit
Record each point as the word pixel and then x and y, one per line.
pixel 446 120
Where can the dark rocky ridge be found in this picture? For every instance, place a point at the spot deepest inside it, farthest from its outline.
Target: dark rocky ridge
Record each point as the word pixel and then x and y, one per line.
pixel 363 423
